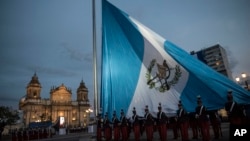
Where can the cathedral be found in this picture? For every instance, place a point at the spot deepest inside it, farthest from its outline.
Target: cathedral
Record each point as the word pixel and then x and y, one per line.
pixel 60 104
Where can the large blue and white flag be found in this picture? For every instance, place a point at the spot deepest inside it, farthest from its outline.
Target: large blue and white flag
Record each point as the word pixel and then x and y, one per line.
pixel 141 68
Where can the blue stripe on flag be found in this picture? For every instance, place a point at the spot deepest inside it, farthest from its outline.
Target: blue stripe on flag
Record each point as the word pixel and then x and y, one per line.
pixel 204 81
pixel 122 54
pixel 123 44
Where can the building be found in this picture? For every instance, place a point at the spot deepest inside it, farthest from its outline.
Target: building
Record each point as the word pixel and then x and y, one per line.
pixel 60 104
pixel 215 57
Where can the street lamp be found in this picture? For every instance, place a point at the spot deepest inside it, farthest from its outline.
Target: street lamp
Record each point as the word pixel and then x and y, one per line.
pixel 89 111
pixel 243 75
pixel 237 79
pixel 90 126
pixel 244 80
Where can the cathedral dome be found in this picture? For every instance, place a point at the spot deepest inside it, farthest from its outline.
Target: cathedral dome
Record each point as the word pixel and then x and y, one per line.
pixel 34 80
pixel 82 87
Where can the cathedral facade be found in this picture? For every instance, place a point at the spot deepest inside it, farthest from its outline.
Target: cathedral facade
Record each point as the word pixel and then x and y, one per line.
pixel 60 104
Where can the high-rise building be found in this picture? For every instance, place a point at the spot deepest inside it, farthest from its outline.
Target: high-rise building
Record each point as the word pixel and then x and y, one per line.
pixel 60 104
pixel 215 57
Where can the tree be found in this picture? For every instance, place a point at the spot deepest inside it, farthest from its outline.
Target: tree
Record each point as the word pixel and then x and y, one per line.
pixel 8 116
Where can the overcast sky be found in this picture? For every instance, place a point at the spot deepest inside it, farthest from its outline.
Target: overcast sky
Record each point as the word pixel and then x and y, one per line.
pixel 54 37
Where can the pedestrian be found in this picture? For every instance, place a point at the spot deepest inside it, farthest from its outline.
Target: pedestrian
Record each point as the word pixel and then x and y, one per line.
pixel 124 126
pixel 149 124
pixel 136 125
pixel 107 128
pixel 182 118
pixel 162 123
pixel 203 120
pixel 116 127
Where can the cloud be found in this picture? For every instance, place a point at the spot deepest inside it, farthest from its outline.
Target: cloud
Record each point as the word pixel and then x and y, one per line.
pixel 51 71
pixel 232 61
pixel 76 54
pixel 8 98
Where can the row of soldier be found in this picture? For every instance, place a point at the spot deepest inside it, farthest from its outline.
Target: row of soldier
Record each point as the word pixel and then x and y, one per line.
pixel 199 122
pixel 31 134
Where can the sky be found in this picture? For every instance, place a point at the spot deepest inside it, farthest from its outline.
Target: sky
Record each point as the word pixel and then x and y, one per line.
pixel 53 38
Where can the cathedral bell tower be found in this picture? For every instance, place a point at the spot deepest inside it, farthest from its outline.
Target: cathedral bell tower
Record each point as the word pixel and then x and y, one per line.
pixel 82 92
pixel 33 89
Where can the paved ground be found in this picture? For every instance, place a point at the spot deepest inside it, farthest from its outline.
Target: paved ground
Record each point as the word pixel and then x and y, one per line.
pixel 90 137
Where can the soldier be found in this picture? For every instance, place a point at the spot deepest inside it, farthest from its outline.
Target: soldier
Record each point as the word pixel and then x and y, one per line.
pixel 234 111
pixel 107 129
pixel 215 122
pixel 182 118
pixel 136 125
pixel 99 128
pixel 193 122
pixel 162 123
pixel 124 126
pixel 148 123
pixel 116 128
pixel 203 120
pixel 174 126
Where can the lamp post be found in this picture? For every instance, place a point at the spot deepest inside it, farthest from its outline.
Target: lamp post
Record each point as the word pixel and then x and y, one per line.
pixel 244 80
pixel 90 127
pixel 89 111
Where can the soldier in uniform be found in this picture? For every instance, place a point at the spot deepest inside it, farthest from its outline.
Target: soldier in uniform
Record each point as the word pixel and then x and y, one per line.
pixel 162 123
pixel 124 126
pixel 203 120
pixel 234 111
pixel 215 122
pixel 136 125
pixel 149 124
pixel 99 128
pixel 107 128
pixel 116 127
pixel 174 125
pixel 193 122
pixel 182 118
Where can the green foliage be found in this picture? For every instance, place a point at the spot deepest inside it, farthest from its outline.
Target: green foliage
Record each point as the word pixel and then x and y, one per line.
pixel 8 116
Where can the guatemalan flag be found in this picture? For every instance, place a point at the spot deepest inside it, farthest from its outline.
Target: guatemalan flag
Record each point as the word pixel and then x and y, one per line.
pixel 141 68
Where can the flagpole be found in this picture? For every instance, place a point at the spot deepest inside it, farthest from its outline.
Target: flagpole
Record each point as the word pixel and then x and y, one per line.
pixel 94 60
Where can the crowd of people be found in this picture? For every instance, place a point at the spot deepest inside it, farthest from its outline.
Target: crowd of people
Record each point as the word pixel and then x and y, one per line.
pixel 199 122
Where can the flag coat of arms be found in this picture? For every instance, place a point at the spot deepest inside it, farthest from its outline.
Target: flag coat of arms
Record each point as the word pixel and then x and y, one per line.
pixel 139 68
